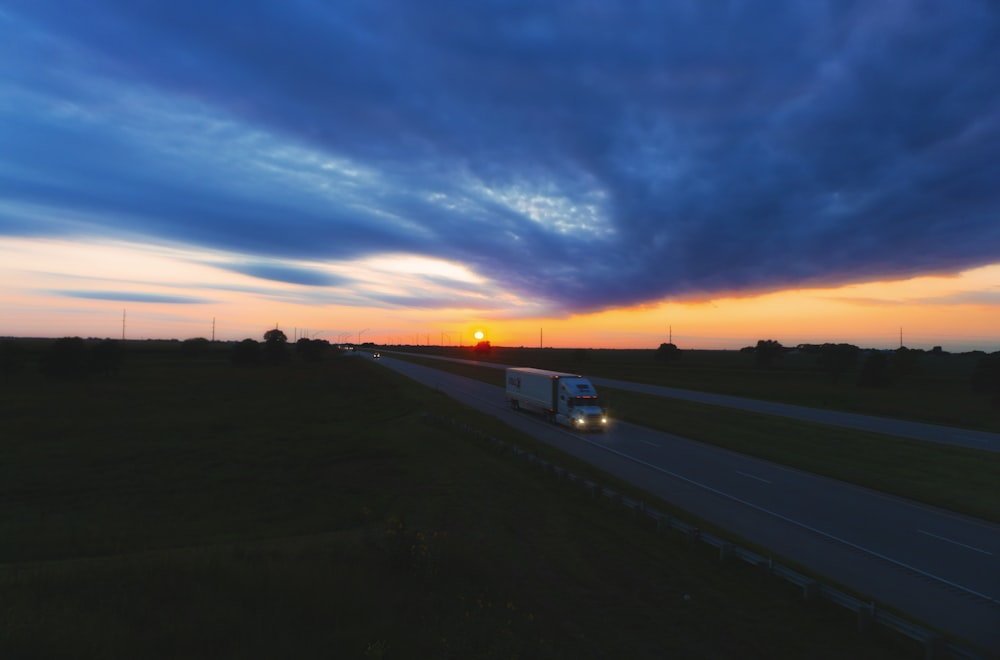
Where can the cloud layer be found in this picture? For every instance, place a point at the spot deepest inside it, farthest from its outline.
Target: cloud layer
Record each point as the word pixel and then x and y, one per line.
pixel 578 155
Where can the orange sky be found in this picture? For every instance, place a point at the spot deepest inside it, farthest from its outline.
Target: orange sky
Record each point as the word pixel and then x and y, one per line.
pixel 930 311
pixel 63 288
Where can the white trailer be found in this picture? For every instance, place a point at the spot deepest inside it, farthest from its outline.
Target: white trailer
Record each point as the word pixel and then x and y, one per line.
pixel 568 399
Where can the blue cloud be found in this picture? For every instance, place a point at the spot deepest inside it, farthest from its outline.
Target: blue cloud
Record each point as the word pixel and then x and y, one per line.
pixel 132 296
pixel 584 155
pixel 286 273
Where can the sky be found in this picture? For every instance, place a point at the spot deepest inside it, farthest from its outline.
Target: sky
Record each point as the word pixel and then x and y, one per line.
pixel 560 173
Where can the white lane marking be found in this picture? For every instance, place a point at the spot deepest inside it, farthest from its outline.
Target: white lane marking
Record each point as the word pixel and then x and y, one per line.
pixel 750 476
pixel 647 442
pixel 948 540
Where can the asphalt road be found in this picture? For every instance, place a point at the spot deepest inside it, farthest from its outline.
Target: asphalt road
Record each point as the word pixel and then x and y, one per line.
pixel 940 567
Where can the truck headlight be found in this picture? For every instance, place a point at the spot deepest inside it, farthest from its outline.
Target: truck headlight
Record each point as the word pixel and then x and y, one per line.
pixel 604 420
pixel 580 421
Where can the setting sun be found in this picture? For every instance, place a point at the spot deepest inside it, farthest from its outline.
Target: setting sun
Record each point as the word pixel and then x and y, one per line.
pixel 478 335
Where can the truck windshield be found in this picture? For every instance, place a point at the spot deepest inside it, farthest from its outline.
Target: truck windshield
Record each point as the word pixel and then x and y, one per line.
pixel 585 401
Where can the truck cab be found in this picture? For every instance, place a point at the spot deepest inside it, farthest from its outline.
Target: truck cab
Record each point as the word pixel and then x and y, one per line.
pixel 568 399
pixel 579 406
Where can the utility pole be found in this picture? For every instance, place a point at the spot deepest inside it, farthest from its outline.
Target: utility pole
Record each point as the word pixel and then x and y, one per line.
pixel 213 329
pixel 123 325
pixel 540 338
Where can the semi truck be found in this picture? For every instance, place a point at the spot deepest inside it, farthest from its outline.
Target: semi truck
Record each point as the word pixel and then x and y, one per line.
pixel 568 399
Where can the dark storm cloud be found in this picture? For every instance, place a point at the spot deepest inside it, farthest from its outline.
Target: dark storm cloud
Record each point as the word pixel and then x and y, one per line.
pixel 583 154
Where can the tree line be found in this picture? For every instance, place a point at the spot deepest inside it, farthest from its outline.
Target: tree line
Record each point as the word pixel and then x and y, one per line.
pixel 74 358
pixel 878 369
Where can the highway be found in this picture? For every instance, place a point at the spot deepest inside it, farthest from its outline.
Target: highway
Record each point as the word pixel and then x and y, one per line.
pixel 938 566
pixel 902 428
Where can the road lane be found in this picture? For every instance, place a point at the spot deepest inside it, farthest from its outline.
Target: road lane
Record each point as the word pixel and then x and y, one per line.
pixel 859 537
pixel 858 517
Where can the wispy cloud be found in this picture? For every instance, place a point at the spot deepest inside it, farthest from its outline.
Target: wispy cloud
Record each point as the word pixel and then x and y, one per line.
pixel 285 273
pixel 132 296
pixel 985 298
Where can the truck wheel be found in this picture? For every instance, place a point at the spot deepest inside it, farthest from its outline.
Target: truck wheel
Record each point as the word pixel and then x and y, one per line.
pixel 515 404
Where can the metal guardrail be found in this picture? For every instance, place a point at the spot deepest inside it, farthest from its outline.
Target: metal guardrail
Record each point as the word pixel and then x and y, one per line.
pixel 868 613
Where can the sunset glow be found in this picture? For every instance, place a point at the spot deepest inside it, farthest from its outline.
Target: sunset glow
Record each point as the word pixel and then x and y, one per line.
pixel 59 288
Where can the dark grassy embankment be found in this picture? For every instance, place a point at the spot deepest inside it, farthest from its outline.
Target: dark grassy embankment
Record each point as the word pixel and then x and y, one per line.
pixel 188 508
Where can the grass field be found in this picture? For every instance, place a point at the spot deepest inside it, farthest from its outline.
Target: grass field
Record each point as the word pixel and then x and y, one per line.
pixel 955 478
pixel 188 508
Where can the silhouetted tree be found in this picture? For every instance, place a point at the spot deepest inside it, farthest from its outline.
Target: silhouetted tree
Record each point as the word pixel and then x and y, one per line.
pixel 904 361
pixel 483 348
pixel 107 357
pixel 275 336
pixel 768 351
pixel 66 358
pixel 836 359
pixel 195 347
pixel 875 371
pixel 246 353
pixel 311 350
pixel 667 353
pixel 275 346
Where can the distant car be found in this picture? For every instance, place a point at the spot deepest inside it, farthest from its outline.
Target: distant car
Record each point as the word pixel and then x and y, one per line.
pixel 376 355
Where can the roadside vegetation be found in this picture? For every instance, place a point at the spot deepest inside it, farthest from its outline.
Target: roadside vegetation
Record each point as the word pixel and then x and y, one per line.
pixel 183 504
